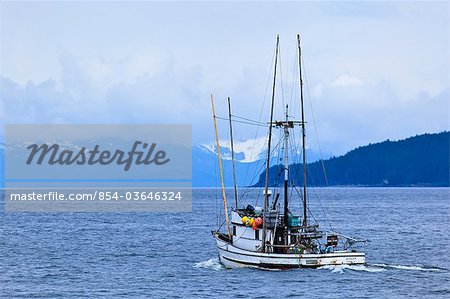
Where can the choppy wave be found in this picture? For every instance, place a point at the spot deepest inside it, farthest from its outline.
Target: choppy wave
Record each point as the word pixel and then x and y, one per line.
pixel 378 268
pixel 342 268
pixel 213 264
pixel 405 267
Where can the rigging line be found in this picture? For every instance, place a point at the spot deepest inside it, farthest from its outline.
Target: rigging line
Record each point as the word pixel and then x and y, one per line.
pixel 296 173
pixel 294 145
pixel 251 120
pixel 291 191
pixel 314 122
pixel 316 132
pixel 315 193
pixel 260 115
pixel 262 107
pixel 295 148
pixel 293 169
pixel 215 189
pixel 255 174
pixel 296 170
pixel 281 77
pixel 259 172
pixel 264 164
pixel 216 196
pixel 246 190
pixel 224 171
pixel 242 236
pixel 320 202
pixel 278 164
pixel 294 81
pixel 256 171
pixel 243 122
pixel 296 161
pixel 310 212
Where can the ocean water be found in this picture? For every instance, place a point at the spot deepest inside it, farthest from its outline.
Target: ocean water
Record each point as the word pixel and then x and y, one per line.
pixel 141 255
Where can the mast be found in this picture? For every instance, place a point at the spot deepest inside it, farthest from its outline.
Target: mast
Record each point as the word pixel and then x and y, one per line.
pixel 286 169
pixel 305 222
pixel 266 193
pixel 232 154
pixel 221 170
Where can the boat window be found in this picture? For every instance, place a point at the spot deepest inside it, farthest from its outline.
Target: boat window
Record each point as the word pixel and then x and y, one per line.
pixel 234 230
pixel 257 234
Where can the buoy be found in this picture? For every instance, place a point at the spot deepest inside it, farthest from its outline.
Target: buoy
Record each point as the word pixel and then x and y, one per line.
pixel 244 219
pixel 258 221
pixel 255 226
pixel 252 220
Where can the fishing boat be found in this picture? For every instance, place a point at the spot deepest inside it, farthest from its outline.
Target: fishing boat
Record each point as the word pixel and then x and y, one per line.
pixel 271 236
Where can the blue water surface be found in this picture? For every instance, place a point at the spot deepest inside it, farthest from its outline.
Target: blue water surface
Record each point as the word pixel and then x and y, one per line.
pixel 141 255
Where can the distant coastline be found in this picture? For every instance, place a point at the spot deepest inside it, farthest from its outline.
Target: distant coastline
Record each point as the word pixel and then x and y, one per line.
pixel 419 161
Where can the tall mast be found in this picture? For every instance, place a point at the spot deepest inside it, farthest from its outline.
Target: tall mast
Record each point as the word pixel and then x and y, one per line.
pixel 286 169
pixel 232 154
pixel 305 222
pixel 266 193
pixel 221 170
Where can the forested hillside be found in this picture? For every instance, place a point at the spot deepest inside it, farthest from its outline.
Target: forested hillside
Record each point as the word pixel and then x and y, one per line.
pixel 421 160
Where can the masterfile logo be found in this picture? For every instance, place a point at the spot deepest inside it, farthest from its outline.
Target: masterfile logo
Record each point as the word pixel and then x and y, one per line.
pixel 98 167
pixel 52 154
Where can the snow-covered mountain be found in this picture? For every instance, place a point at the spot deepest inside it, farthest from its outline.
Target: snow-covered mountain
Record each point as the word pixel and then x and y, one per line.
pixel 205 169
pixel 250 157
pixel 244 151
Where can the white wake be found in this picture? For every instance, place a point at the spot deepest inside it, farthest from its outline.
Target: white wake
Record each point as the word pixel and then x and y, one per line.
pixel 341 268
pixel 404 267
pixel 213 264
pixel 378 268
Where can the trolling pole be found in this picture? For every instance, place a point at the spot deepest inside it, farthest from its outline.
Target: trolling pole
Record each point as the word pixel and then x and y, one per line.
pixel 266 193
pixel 305 223
pixel 232 154
pixel 221 170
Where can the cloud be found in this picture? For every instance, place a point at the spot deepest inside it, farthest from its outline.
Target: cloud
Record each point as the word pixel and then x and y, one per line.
pixel 134 89
pixel 94 89
pixel 376 70
pixel 354 114
pixel 346 80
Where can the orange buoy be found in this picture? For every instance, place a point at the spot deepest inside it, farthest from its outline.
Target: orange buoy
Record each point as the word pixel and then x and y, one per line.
pixel 255 226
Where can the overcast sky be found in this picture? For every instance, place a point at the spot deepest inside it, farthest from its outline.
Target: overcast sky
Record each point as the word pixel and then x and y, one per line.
pixel 374 70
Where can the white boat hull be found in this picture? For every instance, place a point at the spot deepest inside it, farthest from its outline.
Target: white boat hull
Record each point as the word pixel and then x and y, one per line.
pixel 233 257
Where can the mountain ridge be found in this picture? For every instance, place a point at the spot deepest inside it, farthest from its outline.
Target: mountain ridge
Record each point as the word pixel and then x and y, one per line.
pixel 421 160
